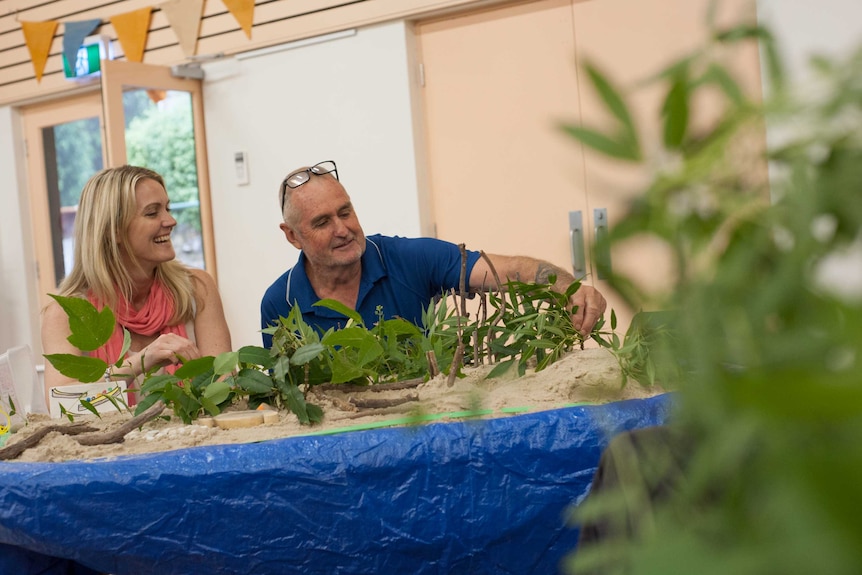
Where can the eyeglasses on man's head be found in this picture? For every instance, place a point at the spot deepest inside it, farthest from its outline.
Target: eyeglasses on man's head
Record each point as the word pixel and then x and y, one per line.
pixel 300 177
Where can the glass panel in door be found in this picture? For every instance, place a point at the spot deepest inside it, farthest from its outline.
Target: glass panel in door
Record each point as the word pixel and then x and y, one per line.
pixel 154 119
pixel 73 153
pixel 160 136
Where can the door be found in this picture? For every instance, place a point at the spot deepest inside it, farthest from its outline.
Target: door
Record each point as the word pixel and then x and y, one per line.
pixel 155 120
pixel 64 148
pixel 498 84
pixel 502 176
pixel 142 116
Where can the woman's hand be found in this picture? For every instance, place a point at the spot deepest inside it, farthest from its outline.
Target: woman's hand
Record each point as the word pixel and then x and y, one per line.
pixel 167 349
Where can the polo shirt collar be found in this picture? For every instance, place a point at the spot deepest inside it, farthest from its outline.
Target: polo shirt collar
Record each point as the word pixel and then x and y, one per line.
pixel 299 288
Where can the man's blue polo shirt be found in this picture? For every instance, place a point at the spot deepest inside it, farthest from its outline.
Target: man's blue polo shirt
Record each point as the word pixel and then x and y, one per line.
pixel 401 274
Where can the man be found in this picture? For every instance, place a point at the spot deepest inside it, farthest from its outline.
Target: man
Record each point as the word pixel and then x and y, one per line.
pixel 402 275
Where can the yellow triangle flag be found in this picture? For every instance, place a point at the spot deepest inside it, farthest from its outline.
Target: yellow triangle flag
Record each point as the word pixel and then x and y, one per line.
pixel 132 29
pixel 38 36
pixel 184 16
pixel 243 11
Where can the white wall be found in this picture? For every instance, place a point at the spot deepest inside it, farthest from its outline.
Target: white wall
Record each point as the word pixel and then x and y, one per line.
pixel 802 29
pixel 345 99
pixel 812 27
pixel 19 320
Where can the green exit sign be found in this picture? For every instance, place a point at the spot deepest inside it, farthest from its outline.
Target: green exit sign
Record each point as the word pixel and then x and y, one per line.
pixel 88 60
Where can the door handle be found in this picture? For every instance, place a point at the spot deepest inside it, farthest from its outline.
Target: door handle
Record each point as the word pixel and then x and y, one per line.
pixel 576 242
pixel 603 246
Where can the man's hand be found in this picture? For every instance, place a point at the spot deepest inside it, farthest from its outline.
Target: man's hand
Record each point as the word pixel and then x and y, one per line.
pixel 590 303
pixel 591 306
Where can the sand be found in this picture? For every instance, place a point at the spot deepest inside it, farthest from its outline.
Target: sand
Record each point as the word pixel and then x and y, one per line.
pixel 584 376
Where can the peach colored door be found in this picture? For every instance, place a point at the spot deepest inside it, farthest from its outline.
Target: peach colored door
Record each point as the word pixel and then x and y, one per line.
pixel 498 84
pixel 502 176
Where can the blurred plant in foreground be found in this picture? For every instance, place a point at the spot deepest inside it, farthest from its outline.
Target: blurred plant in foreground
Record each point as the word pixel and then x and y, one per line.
pixel 765 318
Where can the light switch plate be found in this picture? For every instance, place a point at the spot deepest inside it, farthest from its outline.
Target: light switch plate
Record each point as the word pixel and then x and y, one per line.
pixel 240 161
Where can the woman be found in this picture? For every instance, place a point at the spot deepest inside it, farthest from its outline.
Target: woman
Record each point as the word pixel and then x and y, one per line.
pixel 124 259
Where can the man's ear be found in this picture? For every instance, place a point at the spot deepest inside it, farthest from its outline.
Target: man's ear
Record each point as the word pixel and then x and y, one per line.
pixel 291 235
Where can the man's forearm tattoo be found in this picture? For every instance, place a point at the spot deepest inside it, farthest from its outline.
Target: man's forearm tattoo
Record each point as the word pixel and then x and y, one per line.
pixel 545 270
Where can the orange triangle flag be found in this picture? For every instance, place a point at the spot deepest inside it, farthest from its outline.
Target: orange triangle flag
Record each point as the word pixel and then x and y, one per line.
pixel 132 29
pixel 243 11
pixel 38 36
pixel 184 16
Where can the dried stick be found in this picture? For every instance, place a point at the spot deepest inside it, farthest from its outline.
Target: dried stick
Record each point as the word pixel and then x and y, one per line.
pixel 119 435
pixel 491 356
pixel 458 359
pixel 379 403
pixel 433 368
pixel 377 387
pixel 17 448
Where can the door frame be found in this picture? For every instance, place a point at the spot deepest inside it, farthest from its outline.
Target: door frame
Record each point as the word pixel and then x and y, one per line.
pixel 107 105
pixel 35 118
pixel 118 75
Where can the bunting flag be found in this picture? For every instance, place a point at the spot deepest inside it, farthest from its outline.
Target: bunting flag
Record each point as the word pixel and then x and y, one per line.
pixel 73 36
pixel 132 29
pixel 38 36
pixel 243 12
pixel 184 16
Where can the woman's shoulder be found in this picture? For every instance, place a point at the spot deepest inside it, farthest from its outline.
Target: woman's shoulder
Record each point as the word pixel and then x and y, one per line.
pixel 202 276
pixel 203 284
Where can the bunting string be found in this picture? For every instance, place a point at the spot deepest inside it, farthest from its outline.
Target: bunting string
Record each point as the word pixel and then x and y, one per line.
pixel 132 29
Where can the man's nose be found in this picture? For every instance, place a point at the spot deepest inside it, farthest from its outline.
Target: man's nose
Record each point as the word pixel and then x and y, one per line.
pixel 341 228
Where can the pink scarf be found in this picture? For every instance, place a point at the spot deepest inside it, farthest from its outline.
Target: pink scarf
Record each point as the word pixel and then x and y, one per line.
pixel 149 320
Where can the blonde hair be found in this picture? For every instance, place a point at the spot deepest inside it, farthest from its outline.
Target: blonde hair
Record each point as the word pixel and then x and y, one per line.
pixel 105 210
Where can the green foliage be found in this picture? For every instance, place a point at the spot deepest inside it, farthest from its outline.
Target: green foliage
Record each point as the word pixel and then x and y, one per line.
pixel 530 325
pixel 78 146
pixel 90 329
pixel 161 138
pixel 761 330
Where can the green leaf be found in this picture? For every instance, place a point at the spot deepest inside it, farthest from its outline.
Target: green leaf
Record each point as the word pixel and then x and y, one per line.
pixel 541 344
pixel 675 112
pixel 127 344
pixel 210 406
pixel 254 381
pixel 501 368
pixel 90 328
pixel 225 362
pixel 158 382
pixel 90 407
pixel 344 370
pixel 717 75
pixel 146 402
pixel 314 412
pixel 306 353
pixel 335 305
pixel 296 403
pixel 610 96
pixel 80 368
pixel 195 367
pixel 622 150
pixel 218 391
pixel 256 355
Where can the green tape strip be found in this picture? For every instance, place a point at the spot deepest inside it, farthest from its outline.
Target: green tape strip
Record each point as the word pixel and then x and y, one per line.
pixel 425 418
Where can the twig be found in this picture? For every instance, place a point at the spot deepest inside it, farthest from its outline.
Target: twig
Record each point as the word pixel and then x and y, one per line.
pixel 380 403
pixel 17 448
pixel 433 368
pixel 376 387
pixel 458 359
pixel 119 435
pixel 491 356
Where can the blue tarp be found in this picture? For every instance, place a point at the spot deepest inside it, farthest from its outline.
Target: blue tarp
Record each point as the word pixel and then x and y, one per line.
pixel 467 497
